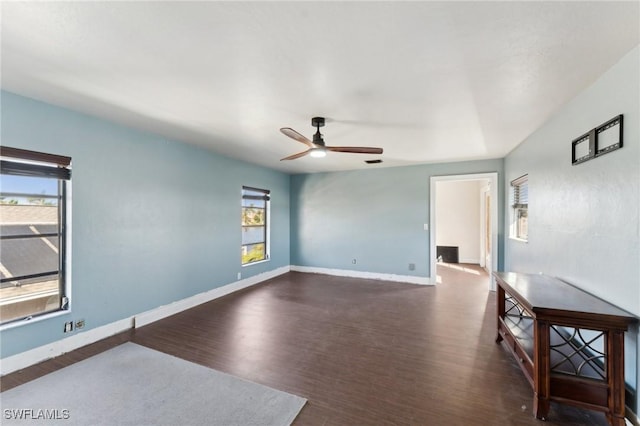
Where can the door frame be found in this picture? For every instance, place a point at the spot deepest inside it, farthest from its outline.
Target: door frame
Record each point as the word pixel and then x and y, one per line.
pixel 485 193
pixel 493 182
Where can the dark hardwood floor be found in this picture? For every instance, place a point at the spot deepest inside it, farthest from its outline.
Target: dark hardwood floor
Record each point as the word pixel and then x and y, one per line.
pixel 361 351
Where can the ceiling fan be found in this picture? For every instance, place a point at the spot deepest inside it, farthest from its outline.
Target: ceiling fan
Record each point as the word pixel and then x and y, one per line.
pixel 317 148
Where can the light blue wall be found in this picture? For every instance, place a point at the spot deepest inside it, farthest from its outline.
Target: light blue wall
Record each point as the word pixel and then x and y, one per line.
pixel 584 223
pixel 375 216
pixel 154 220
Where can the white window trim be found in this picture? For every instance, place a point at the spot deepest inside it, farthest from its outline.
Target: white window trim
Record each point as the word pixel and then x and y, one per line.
pixel 267 247
pixel 68 267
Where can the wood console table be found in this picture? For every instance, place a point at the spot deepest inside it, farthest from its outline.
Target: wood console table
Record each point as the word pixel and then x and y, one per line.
pixel 569 344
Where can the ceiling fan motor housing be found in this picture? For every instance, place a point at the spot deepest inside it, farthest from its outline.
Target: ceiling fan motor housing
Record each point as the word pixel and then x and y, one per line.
pixel 318 122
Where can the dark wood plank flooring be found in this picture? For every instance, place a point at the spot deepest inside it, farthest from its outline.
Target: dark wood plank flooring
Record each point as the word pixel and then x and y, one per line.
pixel 361 351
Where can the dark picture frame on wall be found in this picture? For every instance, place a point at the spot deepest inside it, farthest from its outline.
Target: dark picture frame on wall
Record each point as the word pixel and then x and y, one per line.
pixel 583 148
pixel 598 141
pixel 609 136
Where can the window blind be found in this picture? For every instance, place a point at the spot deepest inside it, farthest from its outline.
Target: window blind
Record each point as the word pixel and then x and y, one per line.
pixel 520 193
pixel 22 162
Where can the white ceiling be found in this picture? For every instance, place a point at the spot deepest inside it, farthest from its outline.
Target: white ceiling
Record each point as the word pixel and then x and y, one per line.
pixel 426 81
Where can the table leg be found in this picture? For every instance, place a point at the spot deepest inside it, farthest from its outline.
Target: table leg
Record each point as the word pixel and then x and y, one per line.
pixel 500 309
pixel 541 370
pixel 615 373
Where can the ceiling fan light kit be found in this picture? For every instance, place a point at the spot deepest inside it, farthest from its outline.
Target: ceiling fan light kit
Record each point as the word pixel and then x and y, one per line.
pixel 318 153
pixel 317 147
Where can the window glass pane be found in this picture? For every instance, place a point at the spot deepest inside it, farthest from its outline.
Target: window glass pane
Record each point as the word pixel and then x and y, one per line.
pixel 46 229
pixel 28 219
pixel 522 223
pixel 253 234
pixel 255 206
pixel 40 190
pixel 253 217
pixel 24 297
pixel 253 253
pixel 253 203
pixel 7 230
pixel 28 256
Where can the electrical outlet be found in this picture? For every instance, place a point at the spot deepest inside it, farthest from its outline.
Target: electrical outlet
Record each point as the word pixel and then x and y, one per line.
pixel 412 266
pixel 353 261
pixel 68 326
pixel 79 324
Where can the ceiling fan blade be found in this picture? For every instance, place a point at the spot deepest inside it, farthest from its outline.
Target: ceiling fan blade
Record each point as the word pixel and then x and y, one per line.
pixel 355 149
pixel 297 136
pixel 294 156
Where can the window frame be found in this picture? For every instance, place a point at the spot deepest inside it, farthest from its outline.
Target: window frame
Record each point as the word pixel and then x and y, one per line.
pixel 519 208
pixel 252 193
pixel 26 163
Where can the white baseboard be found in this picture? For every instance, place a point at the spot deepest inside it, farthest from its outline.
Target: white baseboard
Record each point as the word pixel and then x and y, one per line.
pixel 42 353
pixel 173 308
pixel 367 275
pixel 469 260
pixel 51 350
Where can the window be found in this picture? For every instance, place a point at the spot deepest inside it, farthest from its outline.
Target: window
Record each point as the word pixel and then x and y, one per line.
pixel 520 205
pixel 33 212
pixel 255 225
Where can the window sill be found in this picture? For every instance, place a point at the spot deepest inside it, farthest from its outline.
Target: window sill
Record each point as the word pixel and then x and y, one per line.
pixel 256 263
pixel 31 320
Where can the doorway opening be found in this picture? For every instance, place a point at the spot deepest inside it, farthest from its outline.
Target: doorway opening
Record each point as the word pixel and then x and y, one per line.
pixel 464 216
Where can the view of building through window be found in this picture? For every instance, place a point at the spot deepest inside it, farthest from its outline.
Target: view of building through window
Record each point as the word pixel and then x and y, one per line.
pixel 32 240
pixel 255 203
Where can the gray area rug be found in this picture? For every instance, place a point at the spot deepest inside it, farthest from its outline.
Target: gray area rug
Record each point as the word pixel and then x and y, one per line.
pixel 134 385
